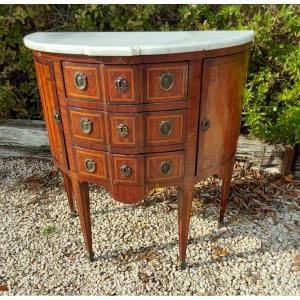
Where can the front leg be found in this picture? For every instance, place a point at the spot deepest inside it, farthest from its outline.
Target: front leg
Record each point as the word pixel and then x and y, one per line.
pixel 185 197
pixel 81 190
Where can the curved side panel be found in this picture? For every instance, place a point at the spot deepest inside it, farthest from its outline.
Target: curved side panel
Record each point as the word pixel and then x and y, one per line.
pixel 51 109
pixel 221 102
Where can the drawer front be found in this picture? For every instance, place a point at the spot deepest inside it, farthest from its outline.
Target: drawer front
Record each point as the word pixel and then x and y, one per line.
pixel 92 163
pixel 82 81
pixel 164 166
pixel 122 84
pixel 166 82
pixel 126 129
pixel 87 125
pixel 127 169
pixel 163 128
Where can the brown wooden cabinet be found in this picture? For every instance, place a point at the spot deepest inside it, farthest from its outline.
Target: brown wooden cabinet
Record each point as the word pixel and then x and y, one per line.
pixel 132 123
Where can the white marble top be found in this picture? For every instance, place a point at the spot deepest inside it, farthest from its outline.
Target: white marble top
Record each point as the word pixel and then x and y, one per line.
pixel 135 43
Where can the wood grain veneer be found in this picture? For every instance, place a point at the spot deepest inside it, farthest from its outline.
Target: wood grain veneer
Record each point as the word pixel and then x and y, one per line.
pixel 200 108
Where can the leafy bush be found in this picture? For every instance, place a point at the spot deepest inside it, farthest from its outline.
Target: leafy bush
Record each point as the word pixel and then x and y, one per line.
pixel 271 107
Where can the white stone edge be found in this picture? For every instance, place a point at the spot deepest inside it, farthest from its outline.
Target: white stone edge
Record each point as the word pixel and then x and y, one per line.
pixel 135 51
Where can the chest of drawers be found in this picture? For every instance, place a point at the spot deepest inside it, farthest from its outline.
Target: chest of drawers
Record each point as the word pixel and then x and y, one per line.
pixel 135 111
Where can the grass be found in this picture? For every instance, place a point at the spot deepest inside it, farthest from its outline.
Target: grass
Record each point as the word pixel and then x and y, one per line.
pixel 45 231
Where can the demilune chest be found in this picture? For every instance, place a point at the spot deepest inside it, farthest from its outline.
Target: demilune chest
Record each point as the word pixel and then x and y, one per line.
pixel 140 110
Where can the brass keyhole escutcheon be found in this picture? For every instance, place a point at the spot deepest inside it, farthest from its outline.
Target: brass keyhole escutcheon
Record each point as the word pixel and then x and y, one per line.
pixel 165 167
pixel 80 80
pixel 85 125
pixel 205 124
pixel 166 81
pixel 125 171
pixel 122 130
pixel 56 117
pixel 165 127
pixel 121 84
pixel 90 165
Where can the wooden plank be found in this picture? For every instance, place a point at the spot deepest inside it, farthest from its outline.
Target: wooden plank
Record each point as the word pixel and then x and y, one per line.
pixel 24 138
pixel 262 156
pixel 28 138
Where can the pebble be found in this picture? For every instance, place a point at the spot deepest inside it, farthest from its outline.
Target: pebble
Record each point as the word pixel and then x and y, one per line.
pixel 33 264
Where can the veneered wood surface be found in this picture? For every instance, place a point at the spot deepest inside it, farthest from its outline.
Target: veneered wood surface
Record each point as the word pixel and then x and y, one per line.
pixel 221 103
pixel 128 73
pixel 92 73
pixel 207 85
pixel 100 159
pixel 153 162
pixel 133 122
pixel 50 107
pixel 97 121
pixel 153 123
pixel 136 165
pixel 178 90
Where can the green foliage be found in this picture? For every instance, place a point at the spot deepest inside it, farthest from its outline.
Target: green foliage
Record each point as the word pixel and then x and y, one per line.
pixel 271 106
pixel 45 231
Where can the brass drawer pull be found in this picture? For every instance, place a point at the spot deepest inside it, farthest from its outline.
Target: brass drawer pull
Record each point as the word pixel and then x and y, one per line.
pixel 166 81
pixel 125 171
pixel 205 124
pixel 80 80
pixel 165 167
pixel 165 127
pixel 90 165
pixel 121 84
pixel 122 130
pixel 85 125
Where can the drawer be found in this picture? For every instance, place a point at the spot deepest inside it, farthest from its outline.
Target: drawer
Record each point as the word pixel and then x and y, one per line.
pixel 122 84
pixel 92 163
pixel 164 128
pixel 126 129
pixel 87 125
pixel 166 82
pixel 128 169
pixel 164 166
pixel 82 80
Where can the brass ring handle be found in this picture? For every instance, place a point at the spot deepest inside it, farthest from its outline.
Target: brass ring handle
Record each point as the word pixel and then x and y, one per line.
pixel 122 130
pixel 80 80
pixel 121 84
pixel 90 165
pixel 166 81
pixel 165 167
pixel 85 125
pixel 165 127
pixel 125 171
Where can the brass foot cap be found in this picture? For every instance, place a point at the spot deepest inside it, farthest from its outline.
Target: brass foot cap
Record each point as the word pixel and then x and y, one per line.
pixel 182 264
pixel 221 224
pixel 73 214
pixel 90 256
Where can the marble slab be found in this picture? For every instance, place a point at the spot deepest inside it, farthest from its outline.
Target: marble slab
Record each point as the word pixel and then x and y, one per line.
pixel 135 43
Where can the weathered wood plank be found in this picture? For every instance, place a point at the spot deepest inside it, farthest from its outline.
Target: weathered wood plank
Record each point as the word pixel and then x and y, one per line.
pixel 260 155
pixel 27 138
pixel 24 138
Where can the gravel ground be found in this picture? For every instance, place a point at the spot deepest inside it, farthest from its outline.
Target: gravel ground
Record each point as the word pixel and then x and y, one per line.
pixel 42 251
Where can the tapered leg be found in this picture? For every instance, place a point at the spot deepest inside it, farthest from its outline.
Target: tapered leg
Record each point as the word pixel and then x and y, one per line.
pixel 81 190
pixel 69 192
pixel 226 181
pixel 185 197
